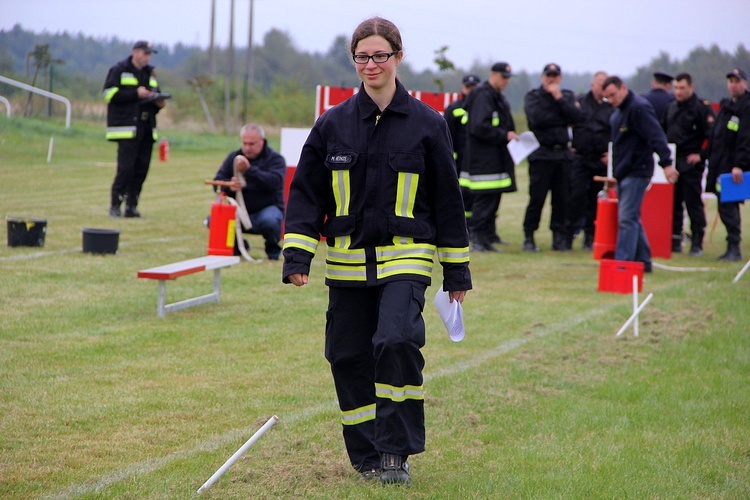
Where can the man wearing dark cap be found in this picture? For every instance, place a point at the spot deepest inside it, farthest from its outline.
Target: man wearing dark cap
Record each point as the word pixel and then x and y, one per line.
pixel 660 96
pixel 454 116
pixel 550 111
pixel 130 90
pixel 489 127
pixel 688 123
pixel 729 153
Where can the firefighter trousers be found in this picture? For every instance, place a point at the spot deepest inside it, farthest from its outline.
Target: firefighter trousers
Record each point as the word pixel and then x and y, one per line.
pixel 373 341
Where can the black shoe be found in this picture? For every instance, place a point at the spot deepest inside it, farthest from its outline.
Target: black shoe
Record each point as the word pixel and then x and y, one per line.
pixel 114 211
pixel 648 267
pixel 588 242
pixel 529 245
pixel 696 251
pixel 132 212
pixel 676 244
pixel 370 474
pixel 394 470
pixel 560 242
pixel 733 253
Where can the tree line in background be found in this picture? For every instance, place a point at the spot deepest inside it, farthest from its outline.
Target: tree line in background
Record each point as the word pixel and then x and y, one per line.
pixel 284 77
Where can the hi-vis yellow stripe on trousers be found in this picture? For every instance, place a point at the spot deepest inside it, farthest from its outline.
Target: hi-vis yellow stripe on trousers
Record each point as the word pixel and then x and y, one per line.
pixel 358 415
pixel 399 394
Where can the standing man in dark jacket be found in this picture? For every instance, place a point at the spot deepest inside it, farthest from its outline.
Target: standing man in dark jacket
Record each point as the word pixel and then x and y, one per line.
pixel 129 91
pixel 454 115
pixel 660 96
pixel 688 122
pixel 590 144
pixel 491 171
pixel 729 153
pixel 550 111
pixel 636 135
pixel 259 172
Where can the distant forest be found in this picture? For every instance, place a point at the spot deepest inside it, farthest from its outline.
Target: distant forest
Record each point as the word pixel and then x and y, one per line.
pixel 280 90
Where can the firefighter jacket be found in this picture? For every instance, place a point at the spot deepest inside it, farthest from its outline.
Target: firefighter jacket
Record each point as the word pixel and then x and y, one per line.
pixel 549 119
pixel 729 144
pixel 264 179
pixel 125 111
pixel 636 136
pixel 688 125
pixel 454 114
pixel 487 162
pixel 382 188
pixel 591 135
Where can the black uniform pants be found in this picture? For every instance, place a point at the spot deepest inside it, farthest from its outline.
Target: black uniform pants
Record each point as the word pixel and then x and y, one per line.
pixel 730 217
pixel 583 194
pixel 373 341
pixel 133 160
pixel 547 176
pixel 687 190
pixel 485 205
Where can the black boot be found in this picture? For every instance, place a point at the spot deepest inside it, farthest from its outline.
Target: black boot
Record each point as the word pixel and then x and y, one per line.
pixel 131 202
pixel 733 253
pixel 528 243
pixel 394 470
pixel 114 206
pixel 677 243
pixel 560 242
pixel 696 245
pixel 588 241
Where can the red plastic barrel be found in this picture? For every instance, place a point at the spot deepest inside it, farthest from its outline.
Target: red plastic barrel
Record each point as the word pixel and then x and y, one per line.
pixel 605 228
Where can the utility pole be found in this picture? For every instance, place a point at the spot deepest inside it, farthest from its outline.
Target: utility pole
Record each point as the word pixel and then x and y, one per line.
pixel 248 64
pixel 211 53
pixel 230 71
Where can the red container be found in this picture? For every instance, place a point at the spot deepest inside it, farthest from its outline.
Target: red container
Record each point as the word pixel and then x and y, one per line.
pixel 605 228
pixel 617 275
pixel 221 228
pixel 163 150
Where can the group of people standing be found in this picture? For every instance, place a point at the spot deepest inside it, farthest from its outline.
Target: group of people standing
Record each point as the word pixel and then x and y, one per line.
pixel 574 133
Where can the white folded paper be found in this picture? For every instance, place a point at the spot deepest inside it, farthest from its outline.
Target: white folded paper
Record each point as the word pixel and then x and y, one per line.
pixel 522 146
pixel 452 315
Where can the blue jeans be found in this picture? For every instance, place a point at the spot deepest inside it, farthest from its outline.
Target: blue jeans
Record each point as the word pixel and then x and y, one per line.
pixel 267 222
pixel 632 243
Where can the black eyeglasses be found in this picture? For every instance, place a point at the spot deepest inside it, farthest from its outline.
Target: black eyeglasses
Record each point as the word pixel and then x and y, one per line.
pixel 376 58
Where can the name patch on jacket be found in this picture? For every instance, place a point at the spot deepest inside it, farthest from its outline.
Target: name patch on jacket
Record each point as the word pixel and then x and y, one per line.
pixel 339 158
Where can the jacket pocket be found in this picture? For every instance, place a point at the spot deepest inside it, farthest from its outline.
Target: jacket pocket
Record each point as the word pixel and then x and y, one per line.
pixel 338 226
pixel 410 228
pixel 411 163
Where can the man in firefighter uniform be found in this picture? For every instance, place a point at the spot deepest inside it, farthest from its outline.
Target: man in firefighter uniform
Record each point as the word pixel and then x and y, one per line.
pixel 133 99
pixel 376 177
pixel 550 110
pixel 490 168
pixel 590 143
pixel 729 153
pixel 688 122
pixel 454 115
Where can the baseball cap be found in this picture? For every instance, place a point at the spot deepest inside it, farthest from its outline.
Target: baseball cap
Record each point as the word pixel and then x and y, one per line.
pixel 145 46
pixel 663 77
pixel 739 73
pixel 552 69
pixel 471 80
pixel 503 68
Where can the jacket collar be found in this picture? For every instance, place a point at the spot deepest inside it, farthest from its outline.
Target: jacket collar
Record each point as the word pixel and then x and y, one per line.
pixel 367 107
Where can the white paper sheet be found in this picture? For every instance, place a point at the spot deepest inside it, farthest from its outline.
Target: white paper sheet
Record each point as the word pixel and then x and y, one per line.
pixel 522 147
pixel 452 315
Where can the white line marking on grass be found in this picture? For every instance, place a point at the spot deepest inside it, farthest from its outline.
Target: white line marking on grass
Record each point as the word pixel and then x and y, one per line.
pixel 233 436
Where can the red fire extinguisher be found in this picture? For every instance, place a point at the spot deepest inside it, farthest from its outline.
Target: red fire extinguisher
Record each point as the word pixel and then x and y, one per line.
pixel 164 150
pixel 221 229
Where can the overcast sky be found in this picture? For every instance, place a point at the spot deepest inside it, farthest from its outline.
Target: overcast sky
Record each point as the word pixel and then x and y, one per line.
pixel 580 36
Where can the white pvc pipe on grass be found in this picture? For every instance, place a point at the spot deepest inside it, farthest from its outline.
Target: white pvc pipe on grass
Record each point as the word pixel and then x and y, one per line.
pixel 270 423
pixel 635 314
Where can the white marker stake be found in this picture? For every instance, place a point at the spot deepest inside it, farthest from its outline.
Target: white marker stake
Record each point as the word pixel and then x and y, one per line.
pixel 49 150
pixel 635 314
pixel 739 275
pixel 271 422
pixel 635 304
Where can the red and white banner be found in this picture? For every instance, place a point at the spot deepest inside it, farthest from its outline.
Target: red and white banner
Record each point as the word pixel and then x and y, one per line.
pixel 327 97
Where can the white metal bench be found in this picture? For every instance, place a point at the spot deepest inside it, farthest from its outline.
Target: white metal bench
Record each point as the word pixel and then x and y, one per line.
pixel 177 269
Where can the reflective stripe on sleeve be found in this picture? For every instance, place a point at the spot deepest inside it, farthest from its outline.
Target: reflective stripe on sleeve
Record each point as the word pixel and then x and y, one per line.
pixel 358 415
pixel 453 255
pixel 399 394
pixel 295 240
pixel 489 181
pixel 110 93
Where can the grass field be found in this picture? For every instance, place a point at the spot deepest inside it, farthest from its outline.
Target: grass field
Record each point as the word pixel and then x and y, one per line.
pixel 99 398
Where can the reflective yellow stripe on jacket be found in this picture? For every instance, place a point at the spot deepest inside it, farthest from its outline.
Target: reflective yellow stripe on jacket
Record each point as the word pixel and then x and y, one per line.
pixel 489 181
